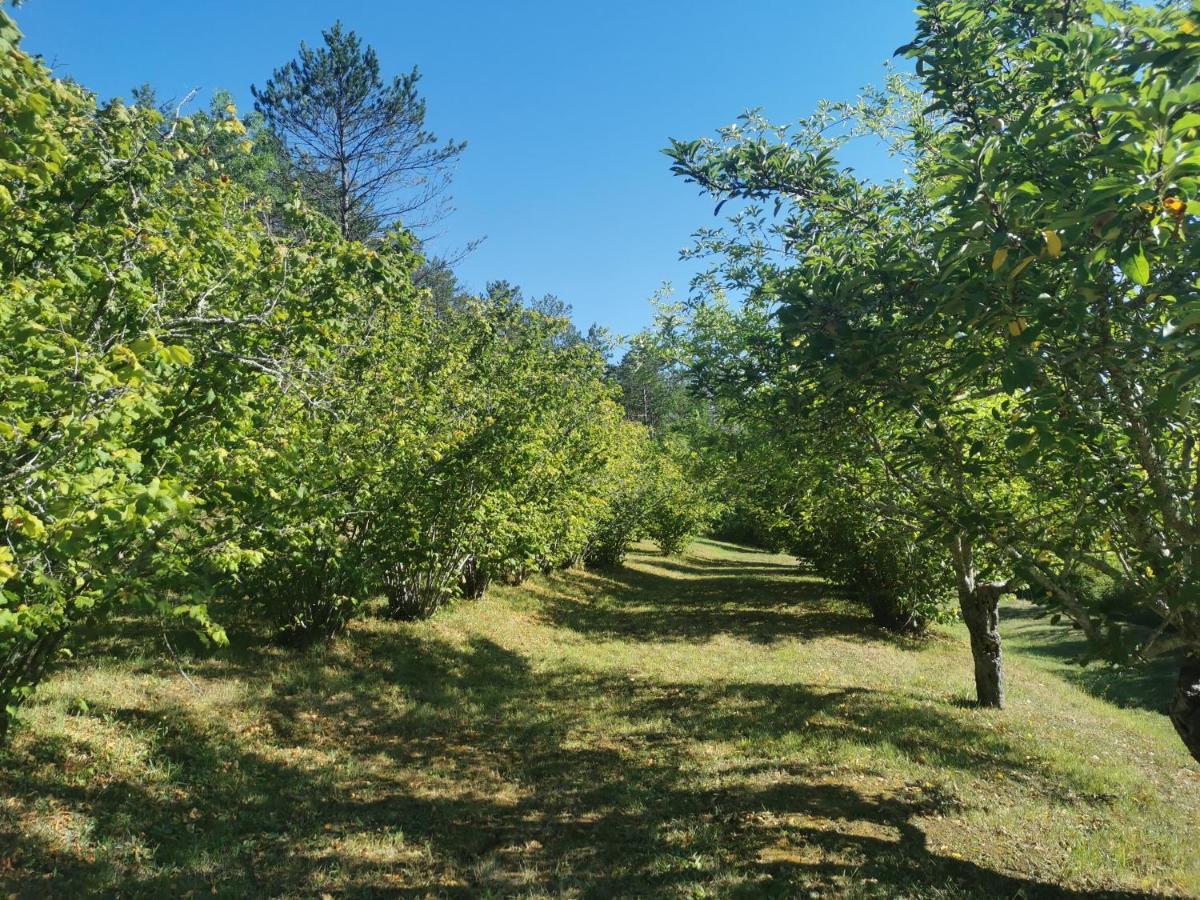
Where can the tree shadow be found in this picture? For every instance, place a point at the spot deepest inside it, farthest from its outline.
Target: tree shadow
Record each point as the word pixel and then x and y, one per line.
pixel 412 766
pixel 649 602
pixel 400 762
pixel 1142 686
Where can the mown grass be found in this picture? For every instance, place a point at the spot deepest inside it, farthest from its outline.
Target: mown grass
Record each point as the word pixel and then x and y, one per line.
pixel 716 725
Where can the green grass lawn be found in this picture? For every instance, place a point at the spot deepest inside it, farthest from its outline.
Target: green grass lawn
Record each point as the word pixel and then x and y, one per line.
pixel 715 725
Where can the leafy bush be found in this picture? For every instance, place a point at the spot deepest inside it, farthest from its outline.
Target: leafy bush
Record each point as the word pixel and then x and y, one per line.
pixel 205 393
pixel 677 508
pixel 622 516
pixel 509 479
pixel 903 580
pixel 740 523
pixel 150 319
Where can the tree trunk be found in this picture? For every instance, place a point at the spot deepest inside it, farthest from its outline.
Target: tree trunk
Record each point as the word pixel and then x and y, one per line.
pixel 21 671
pixel 980 605
pixel 474 579
pixel 892 616
pixel 1185 706
pixel 981 612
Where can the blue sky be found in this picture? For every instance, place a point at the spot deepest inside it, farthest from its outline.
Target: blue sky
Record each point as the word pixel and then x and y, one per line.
pixel 565 105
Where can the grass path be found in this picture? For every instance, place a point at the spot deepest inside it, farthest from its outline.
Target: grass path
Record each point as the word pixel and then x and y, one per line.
pixel 715 725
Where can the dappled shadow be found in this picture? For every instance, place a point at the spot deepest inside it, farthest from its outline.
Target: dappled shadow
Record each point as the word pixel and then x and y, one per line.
pixel 214 802
pixel 401 763
pixel 472 773
pixel 697 599
pixel 1145 685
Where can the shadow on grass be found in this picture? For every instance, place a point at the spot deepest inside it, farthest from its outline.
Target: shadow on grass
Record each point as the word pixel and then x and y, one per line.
pixel 696 599
pixel 1146 686
pixel 412 766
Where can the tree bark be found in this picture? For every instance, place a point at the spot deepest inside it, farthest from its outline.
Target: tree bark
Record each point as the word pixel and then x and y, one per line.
pixel 891 616
pixel 474 579
pixel 981 612
pixel 1185 706
pixel 980 605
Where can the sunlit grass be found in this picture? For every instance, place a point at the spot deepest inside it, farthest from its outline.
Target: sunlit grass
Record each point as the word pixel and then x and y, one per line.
pixel 717 725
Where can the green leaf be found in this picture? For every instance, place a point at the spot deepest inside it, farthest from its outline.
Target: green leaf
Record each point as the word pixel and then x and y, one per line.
pixel 1110 101
pixel 1136 267
pixel 1186 122
pixel 179 355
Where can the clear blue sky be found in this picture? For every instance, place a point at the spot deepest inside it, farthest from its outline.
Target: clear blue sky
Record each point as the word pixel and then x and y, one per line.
pixel 565 105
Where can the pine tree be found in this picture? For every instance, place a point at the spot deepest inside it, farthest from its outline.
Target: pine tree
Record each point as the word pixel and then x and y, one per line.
pixel 360 144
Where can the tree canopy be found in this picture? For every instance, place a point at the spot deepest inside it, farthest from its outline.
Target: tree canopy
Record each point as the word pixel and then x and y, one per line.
pixel 991 360
pixel 359 143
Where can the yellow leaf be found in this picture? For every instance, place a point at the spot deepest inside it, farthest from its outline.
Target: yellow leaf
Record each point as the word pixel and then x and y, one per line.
pixel 1053 242
pixel 179 354
pixel 7 570
pixel 999 259
pixel 1021 267
pixel 1016 326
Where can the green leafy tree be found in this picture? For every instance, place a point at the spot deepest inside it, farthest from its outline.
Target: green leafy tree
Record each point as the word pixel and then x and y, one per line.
pixel 152 318
pixel 848 330
pixel 654 393
pixel 1068 180
pixel 624 492
pixel 677 504
pixel 1009 330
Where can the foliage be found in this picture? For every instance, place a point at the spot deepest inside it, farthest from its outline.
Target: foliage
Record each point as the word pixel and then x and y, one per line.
pixel 209 394
pixel 903 578
pixel 152 317
pixel 1007 333
pixel 625 492
pixel 654 393
pixel 1068 228
pixel 677 505
pixel 345 429
pixel 359 143
pixel 516 483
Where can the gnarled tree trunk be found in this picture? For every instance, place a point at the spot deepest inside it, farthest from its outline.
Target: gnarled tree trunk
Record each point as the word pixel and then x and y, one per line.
pixel 980 605
pixel 981 612
pixel 1185 706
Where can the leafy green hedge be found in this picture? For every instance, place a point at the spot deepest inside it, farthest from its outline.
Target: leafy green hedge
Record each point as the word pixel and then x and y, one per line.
pixel 206 393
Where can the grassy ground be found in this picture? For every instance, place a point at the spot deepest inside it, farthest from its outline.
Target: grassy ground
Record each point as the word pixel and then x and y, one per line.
pixel 709 726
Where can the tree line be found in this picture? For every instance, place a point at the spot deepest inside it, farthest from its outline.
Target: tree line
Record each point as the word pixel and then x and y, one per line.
pixel 231 385
pixel 981 378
